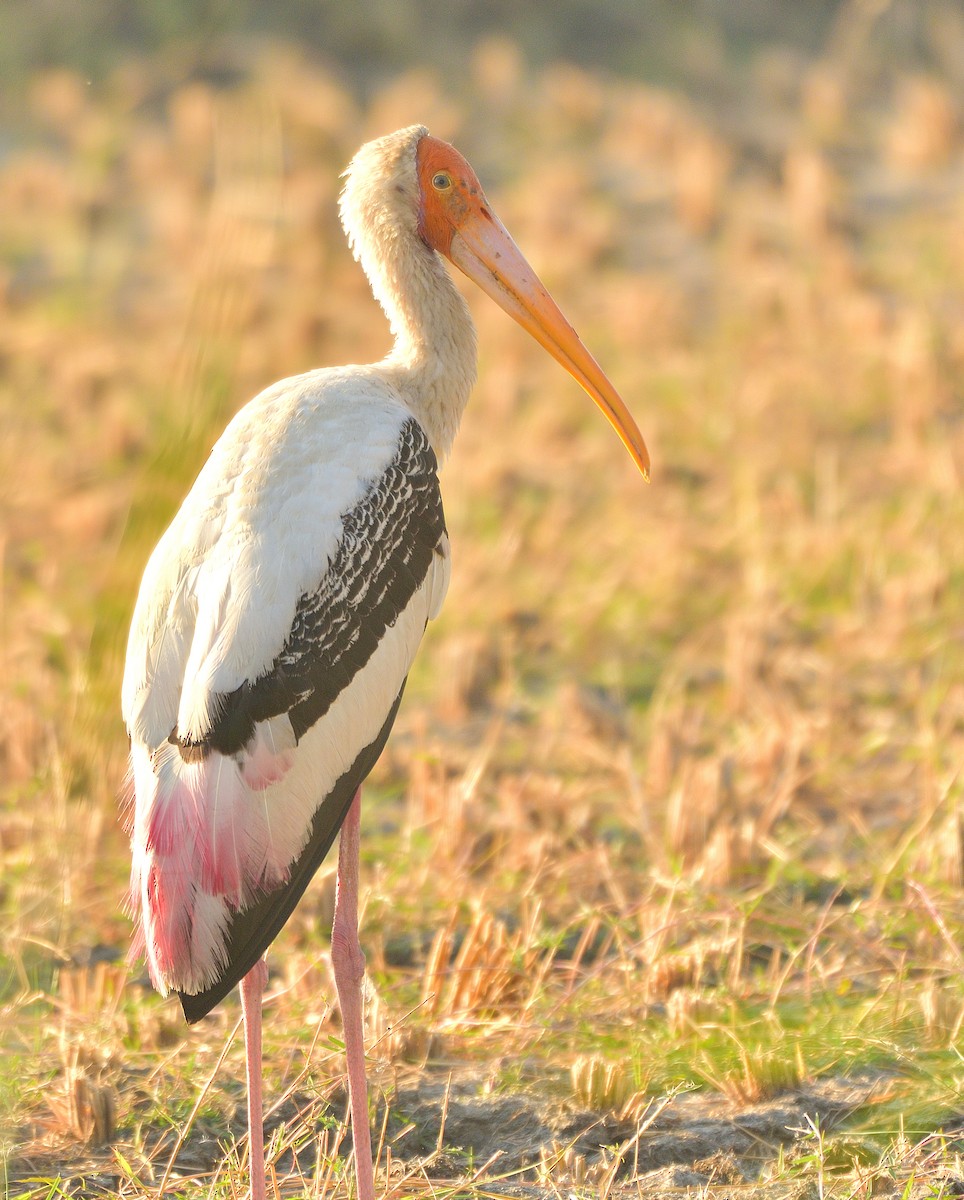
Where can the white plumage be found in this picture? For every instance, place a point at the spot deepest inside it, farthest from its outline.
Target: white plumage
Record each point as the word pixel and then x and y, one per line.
pixel 258 531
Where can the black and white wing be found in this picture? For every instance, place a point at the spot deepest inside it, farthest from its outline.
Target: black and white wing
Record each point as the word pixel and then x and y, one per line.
pixel 276 625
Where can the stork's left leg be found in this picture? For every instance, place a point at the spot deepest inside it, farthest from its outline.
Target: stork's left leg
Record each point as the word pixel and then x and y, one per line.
pixel 349 967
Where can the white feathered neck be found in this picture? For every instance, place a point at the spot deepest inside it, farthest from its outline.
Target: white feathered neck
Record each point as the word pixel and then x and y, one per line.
pixel 433 361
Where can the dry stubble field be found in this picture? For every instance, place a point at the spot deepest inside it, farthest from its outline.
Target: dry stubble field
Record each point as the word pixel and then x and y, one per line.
pixel 663 865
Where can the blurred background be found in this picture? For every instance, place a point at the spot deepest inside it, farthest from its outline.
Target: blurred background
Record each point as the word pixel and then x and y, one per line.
pixel 699 720
pixel 655 40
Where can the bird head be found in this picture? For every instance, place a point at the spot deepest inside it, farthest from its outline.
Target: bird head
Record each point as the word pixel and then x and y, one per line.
pixel 455 219
pixel 410 184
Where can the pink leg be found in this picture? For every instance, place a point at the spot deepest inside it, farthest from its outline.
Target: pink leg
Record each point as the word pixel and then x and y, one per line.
pixel 252 989
pixel 349 966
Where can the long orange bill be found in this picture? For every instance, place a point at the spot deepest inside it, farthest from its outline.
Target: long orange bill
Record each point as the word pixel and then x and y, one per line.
pixel 482 247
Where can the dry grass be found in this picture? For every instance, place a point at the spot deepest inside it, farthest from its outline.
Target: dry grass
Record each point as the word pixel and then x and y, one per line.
pixel 674 799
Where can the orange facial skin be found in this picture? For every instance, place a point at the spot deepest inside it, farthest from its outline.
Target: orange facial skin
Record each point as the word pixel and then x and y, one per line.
pixel 455 219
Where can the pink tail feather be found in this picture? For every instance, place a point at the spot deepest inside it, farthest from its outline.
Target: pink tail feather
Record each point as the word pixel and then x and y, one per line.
pixel 201 848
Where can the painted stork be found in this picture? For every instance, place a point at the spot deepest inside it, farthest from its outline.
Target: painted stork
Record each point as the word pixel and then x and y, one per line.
pixel 280 613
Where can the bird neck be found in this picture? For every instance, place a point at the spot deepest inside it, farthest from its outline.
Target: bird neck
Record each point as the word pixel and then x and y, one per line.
pixel 433 360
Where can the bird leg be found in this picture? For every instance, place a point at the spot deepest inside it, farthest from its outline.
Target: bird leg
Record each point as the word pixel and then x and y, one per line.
pixel 252 989
pixel 348 963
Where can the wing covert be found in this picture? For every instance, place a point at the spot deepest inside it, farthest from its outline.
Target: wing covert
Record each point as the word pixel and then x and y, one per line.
pixel 389 544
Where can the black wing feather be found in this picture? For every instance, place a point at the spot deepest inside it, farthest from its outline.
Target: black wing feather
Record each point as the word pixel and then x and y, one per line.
pixel 253 930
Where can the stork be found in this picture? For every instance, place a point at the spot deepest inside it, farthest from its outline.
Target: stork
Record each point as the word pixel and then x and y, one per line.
pixel 280 613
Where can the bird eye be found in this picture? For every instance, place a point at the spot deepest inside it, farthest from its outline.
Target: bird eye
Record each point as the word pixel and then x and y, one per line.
pixel 442 181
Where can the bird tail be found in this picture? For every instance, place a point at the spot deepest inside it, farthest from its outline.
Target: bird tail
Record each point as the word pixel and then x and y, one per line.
pixel 202 850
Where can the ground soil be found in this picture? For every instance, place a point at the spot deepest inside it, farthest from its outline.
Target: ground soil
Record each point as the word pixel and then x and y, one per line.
pixel 525 1143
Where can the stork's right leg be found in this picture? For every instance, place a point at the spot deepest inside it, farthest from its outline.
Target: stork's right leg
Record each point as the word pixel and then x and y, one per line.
pixel 252 989
pixel 349 967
